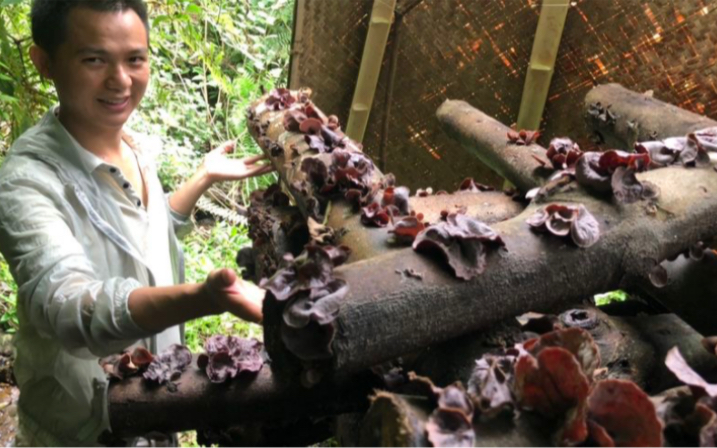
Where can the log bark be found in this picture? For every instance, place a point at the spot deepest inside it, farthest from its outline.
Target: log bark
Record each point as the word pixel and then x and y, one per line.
pixel 631 348
pixel 487 138
pixel 385 315
pixel 245 410
pixel 274 231
pixel 136 408
pixel 691 289
pixel 287 150
pixel 638 117
pixel 367 242
pixel 400 420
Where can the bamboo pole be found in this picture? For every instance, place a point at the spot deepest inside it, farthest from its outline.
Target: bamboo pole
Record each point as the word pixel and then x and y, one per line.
pixel 378 29
pixel 542 62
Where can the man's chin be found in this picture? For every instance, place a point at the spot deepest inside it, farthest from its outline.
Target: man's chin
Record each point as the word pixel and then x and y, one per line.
pixel 112 121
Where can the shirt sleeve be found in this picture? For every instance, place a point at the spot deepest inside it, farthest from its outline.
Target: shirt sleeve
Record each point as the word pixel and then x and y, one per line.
pixel 59 292
pixel 183 224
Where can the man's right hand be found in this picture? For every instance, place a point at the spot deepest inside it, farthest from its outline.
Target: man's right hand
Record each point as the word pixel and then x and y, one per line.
pixel 233 294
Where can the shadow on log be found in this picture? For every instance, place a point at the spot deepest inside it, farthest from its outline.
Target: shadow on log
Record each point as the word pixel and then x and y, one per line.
pixel 631 348
pixel 691 291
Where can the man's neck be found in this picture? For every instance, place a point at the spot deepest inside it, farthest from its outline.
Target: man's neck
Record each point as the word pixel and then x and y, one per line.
pixel 104 143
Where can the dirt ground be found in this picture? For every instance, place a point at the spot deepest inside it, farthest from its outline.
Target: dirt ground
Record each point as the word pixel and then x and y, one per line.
pixel 8 393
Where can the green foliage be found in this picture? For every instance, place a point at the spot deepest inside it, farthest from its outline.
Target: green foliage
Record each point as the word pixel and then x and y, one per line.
pixel 612 296
pixel 8 298
pixel 23 98
pixel 210 59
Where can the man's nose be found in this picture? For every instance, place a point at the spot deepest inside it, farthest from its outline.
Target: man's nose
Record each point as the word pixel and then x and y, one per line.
pixel 118 77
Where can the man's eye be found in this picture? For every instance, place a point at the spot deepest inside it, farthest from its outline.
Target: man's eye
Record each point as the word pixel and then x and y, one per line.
pixel 92 60
pixel 137 60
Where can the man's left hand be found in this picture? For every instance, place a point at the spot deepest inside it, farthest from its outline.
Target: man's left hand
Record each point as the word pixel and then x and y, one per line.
pixel 218 167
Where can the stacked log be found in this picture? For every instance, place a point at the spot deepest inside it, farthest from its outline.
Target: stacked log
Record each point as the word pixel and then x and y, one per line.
pixel 638 117
pixel 402 302
pixel 391 315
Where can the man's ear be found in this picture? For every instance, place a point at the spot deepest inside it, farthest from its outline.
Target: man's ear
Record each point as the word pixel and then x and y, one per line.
pixel 41 60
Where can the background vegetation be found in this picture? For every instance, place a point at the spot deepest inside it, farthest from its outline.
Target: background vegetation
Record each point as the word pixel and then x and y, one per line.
pixel 210 58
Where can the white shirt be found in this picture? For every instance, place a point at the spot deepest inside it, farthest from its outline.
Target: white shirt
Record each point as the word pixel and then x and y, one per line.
pixel 76 253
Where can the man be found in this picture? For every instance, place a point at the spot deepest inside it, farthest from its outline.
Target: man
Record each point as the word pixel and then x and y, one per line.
pixel 86 228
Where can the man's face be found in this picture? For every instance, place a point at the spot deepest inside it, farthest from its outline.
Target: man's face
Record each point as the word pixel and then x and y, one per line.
pixel 101 70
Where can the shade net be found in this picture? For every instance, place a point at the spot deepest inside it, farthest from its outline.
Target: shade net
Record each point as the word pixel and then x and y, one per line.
pixel 478 51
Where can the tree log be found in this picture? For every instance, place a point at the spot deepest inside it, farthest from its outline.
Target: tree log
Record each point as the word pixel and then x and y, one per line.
pixel 691 289
pixel 287 151
pixel 274 231
pixel 400 420
pixel 630 348
pixel 135 408
pixel 638 117
pixel 487 138
pixel 367 242
pixel 389 315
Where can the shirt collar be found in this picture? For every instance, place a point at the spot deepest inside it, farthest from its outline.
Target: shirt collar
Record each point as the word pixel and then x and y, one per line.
pixel 88 162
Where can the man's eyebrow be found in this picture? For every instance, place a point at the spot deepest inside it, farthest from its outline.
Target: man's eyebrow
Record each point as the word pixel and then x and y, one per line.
pixel 92 50
pixel 103 52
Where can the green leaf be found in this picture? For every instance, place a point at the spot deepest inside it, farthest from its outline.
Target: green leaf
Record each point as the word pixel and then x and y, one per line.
pixel 7 98
pixel 193 8
pixel 160 19
pixel 609 297
pixel 10 2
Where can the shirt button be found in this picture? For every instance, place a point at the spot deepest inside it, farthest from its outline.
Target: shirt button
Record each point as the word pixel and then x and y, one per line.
pixel 139 202
pixel 126 185
pixel 113 170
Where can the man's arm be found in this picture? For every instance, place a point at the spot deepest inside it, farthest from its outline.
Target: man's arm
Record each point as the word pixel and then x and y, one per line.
pixel 216 167
pixel 157 308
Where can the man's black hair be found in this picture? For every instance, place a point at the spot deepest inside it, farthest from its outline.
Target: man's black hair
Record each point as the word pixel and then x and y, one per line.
pixel 49 18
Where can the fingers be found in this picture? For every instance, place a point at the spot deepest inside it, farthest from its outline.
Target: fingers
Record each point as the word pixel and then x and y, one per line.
pixel 226 147
pixel 228 277
pixel 253 159
pixel 232 294
pixel 259 170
